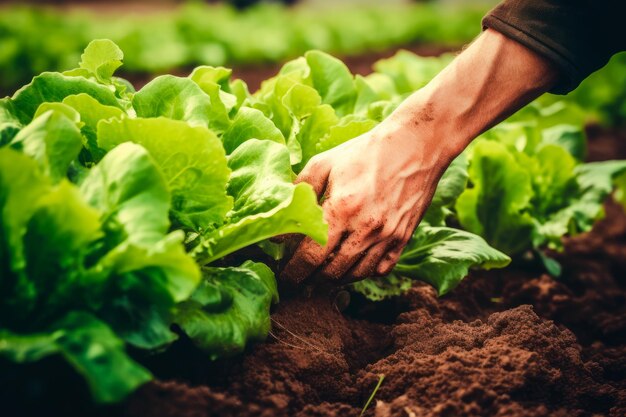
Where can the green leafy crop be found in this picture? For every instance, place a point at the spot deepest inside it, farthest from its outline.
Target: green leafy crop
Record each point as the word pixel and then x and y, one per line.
pixel 122 211
pixel 87 268
pixel 100 187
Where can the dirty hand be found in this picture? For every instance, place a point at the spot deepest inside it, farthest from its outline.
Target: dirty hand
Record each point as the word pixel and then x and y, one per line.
pixel 374 190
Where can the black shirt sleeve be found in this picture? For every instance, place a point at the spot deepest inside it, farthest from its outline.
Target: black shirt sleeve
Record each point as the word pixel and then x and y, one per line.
pixel 579 36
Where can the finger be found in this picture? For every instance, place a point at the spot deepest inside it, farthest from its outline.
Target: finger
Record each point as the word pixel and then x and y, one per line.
pixel 350 252
pixel 367 266
pixel 391 258
pixel 308 257
pixel 315 174
pixel 389 261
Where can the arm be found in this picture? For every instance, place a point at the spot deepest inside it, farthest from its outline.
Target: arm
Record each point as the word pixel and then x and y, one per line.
pixel 578 36
pixel 377 187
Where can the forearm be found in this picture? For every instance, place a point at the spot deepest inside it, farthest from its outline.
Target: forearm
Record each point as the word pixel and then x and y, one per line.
pixel 490 80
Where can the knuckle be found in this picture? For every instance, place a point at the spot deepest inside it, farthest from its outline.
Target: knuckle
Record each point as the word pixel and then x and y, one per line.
pixel 395 244
pixel 388 231
pixel 377 227
pixel 316 162
pixel 312 170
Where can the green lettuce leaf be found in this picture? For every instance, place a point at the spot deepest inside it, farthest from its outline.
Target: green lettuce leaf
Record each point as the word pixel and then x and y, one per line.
pixel 21 187
pixel 597 178
pixel 553 179
pixel 52 139
pixel 214 81
pixel 496 205
pixel 9 123
pixel 375 87
pixel 305 101
pixel 192 160
pixel 54 87
pixel 450 187
pixel 411 72
pixel 151 268
pixel 348 128
pixel 261 178
pixel 595 182
pixel 333 80
pixel 583 205
pixel 270 100
pixel 94 351
pixel 131 193
pixel 91 112
pixel 175 98
pixel 301 100
pixel 299 214
pixel 267 204
pixel 55 250
pixel 313 129
pixel 381 288
pixel 571 138
pixel 442 257
pixel 229 309
pixel 248 124
pixel 82 288
pixel 102 58
pixel 239 89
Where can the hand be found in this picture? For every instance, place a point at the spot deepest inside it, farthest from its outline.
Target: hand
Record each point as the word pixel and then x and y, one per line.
pixel 374 190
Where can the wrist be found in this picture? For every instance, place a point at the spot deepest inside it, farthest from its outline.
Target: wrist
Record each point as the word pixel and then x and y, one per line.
pixel 489 81
pixel 434 128
pixel 429 144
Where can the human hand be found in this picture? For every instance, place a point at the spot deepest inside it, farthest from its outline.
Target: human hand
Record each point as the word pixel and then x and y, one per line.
pixel 374 190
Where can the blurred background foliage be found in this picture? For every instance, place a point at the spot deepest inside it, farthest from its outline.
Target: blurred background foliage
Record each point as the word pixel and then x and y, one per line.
pixel 161 36
pixel 173 36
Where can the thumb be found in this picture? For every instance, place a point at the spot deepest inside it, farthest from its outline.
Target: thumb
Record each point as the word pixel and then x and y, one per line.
pixel 315 173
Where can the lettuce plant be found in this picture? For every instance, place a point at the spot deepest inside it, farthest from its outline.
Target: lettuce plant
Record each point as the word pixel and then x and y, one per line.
pixel 120 210
pixel 113 203
pixel 86 269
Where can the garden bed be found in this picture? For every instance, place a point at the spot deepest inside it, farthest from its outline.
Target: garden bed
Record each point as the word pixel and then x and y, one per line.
pixel 515 342
pixel 509 342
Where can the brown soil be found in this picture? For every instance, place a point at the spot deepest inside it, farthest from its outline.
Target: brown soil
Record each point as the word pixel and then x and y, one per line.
pixel 505 343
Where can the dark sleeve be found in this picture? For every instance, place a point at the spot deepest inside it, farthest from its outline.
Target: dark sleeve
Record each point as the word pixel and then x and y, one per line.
pixel 579 36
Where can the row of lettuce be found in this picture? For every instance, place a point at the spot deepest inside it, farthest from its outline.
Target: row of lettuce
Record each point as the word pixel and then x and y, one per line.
pixel 119 209
pixel 33 40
